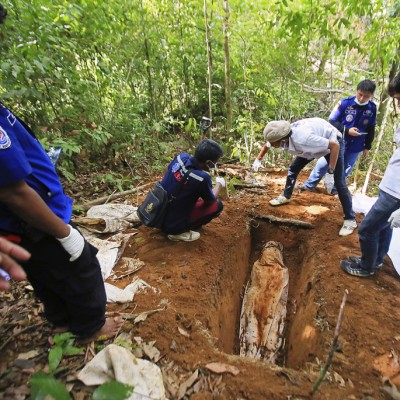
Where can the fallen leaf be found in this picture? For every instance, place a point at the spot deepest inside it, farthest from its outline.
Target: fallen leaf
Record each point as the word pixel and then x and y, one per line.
pixel 220 368
pixel 28 355
pixel 183 332
pixel 187 384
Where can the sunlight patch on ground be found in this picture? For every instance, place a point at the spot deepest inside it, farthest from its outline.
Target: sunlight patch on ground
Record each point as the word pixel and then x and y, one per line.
pixel 316 210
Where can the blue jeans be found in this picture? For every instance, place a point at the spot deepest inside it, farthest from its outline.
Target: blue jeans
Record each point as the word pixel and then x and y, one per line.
pixel 321 167
pixel 340 182
pixel 375 233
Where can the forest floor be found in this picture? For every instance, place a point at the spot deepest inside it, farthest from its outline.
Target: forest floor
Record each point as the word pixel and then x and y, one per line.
pixel 200 286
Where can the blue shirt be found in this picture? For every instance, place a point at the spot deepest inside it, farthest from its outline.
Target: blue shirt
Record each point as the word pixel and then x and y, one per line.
pixel 351 115
pixel 23 158
pixel 198 185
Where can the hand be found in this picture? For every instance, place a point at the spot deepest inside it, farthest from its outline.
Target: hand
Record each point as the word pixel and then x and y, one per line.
pixel 354 132
pixel 365 153
pixel 394 219
pixel 73 244
pixel 256 165
pixel 9 267
pixel 221 181
pixel 329 182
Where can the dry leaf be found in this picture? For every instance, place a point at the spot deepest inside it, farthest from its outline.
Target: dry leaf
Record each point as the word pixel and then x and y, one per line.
pixel 187 384
pixel 28 355
pixel 221 368
pixel 183 332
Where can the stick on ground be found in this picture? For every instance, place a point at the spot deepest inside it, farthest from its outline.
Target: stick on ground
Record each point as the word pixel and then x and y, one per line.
pixel 333 347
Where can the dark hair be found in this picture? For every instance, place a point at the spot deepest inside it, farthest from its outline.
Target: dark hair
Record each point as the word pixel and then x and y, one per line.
pixel 3 14
pixel 208 149
pixel 394 86
pixel 367 86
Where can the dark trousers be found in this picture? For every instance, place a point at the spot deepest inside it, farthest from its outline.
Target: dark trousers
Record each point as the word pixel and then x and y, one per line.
pixel 340 181
pixel 73 293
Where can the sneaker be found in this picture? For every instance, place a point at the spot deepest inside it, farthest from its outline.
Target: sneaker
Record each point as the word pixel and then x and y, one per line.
pixel 189 236
pixel 302 187
pixel 279 201
pixel 348 227
pixel 357 260
pixel 354 269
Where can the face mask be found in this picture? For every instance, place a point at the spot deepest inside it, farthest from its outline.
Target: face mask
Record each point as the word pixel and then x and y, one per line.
pixel 361 104
pixel 211 166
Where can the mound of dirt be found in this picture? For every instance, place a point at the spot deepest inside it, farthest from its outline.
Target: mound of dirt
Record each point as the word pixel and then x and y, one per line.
pixel 200 286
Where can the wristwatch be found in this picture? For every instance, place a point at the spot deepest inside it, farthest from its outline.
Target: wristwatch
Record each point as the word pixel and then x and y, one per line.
pixel 331 171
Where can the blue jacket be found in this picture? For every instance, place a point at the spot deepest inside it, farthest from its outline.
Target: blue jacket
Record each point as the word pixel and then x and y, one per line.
pixel 198 184
pixel 348 114
pixel 23 158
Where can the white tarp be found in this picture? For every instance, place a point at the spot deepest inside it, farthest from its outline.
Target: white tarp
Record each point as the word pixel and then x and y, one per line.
pixel 362 204
pixel 116 362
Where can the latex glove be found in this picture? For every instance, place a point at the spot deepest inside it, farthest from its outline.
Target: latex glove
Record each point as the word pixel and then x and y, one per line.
pixel 329 182
pixel 256 165
pixel 221 181
pixel 394 219
pixel 73 244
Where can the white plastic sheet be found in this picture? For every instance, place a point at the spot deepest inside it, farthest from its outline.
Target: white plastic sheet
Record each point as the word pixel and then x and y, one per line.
pixel 116 362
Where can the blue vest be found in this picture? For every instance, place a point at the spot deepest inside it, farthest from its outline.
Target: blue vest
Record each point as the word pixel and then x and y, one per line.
pixel 352 115
pixel 198 185
pixel 23 158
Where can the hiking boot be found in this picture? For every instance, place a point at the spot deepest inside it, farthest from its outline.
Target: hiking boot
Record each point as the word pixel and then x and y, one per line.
pixel 348 227
pixel 279 201
pixel 355 269
pixel 189 236
pixel 357 260
pixel 302 187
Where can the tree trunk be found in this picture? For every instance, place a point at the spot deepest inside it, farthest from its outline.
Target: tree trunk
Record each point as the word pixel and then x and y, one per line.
pixel 209 60
pixel 228 102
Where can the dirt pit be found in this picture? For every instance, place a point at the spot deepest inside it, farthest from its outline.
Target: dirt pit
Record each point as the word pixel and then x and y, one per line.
pixel 200 287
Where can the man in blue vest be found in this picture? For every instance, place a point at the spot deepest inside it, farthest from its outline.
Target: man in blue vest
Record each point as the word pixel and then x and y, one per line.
pixel 35 212
pixel 196 203
pixel 376 228
pixel 355 117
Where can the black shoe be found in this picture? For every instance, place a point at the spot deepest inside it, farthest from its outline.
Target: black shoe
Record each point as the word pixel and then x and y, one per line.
pixel 357 260
pixel 354 269
pixel 302 188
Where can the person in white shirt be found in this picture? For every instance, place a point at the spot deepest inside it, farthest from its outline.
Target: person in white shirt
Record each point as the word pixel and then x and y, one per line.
pixel 376 229
pixel 308 139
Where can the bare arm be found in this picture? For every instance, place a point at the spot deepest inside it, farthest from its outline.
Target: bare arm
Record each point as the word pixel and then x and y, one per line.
pixel 262 152
pixel 22 200
pixel 334 154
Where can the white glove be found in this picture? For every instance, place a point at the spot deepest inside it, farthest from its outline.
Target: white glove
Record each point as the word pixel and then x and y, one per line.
pixel 257 164
pixel 73 244
pixel 221 181
pixel 329 182
pixel 394 219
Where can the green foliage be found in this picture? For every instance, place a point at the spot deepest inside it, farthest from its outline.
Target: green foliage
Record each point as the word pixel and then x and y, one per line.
pixel 113 390
pixel 63 345
pixel 126 87
pixel 44 387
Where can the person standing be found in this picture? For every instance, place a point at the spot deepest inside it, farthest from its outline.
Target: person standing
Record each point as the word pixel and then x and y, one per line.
pixel 308 139
pixel 35 213
pixel 375 233
pixel 355 117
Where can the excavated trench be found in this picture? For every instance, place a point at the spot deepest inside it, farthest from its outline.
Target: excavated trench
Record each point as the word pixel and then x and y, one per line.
pixel 301 336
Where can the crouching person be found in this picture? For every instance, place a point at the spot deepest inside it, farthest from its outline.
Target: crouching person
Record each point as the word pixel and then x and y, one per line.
pixel 196 203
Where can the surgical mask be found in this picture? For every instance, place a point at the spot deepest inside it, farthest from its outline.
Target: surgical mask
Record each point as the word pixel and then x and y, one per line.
pixel 211 166
pixel 284 146
pixel 361 104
